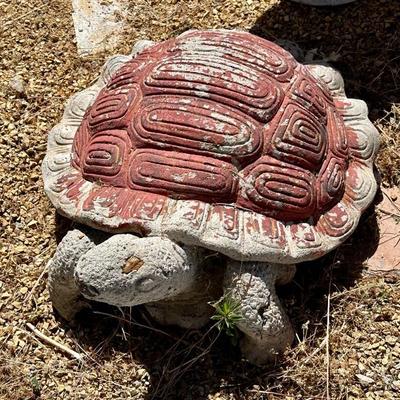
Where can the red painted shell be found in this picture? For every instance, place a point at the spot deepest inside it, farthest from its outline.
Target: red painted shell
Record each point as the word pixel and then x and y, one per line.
pixel 220 118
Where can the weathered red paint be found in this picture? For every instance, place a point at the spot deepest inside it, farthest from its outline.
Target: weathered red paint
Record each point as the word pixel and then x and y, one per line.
pixel 230 119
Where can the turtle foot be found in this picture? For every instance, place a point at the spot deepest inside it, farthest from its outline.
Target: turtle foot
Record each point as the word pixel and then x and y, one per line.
pixel 266 328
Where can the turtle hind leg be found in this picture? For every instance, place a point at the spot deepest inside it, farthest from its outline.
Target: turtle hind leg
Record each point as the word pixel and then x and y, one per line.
pixel 64 292
pixel 266 328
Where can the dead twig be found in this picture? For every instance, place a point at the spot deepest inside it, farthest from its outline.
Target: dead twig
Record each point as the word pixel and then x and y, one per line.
pixel 391 202
pixel 29 295
pixel 52 342
pixel 12 21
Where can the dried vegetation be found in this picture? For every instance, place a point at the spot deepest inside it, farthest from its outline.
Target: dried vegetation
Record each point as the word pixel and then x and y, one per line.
pixel 125 356
pixel 389 155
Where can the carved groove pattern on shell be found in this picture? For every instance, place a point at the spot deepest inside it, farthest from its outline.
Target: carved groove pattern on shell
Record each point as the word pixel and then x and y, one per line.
pixel 163 128
pixel 220 139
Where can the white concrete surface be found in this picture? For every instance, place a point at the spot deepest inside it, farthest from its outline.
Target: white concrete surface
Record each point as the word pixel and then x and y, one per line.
pixel 98 24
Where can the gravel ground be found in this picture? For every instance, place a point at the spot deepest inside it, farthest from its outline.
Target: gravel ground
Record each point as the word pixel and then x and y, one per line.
pixel 354 356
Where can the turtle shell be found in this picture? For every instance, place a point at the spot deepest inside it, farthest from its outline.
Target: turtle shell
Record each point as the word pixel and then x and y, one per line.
pixel 220 139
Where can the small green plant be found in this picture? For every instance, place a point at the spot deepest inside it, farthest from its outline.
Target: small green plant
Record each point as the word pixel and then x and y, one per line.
pixel 227 314
pixel 36 387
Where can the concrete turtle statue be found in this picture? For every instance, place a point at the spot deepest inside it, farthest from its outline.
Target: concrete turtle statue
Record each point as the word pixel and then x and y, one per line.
pixel 211 142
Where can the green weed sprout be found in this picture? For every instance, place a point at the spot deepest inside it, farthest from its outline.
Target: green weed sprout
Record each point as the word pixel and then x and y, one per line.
pixel 227 314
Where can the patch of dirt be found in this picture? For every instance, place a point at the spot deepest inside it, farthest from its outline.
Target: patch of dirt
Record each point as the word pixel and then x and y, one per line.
pixel 125 356
pixel 386 258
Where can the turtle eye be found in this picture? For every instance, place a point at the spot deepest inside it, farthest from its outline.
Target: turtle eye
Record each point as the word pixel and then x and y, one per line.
pixel 146 284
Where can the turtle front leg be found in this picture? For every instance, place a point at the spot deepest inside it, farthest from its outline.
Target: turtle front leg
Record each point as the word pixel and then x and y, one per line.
pixel 267 330
pixel 64 292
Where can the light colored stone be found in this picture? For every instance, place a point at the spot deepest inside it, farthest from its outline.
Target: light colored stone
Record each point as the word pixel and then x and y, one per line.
pixel 17 84
pixel 364 380
pixel 191 309
pixel 98 24
pixel 126 271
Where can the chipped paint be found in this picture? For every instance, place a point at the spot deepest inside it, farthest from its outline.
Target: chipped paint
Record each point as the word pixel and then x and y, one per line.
pixel 220 162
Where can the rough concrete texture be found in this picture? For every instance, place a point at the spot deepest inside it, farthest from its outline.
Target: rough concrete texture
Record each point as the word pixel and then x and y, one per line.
pixel 267 330
pixel 126 270
pixel 213 178
pixel 324 2
pixel 64 292
pixel 191 309
pixel 98 24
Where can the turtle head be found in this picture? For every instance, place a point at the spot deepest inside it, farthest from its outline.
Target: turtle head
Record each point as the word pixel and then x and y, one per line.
pixel 126 270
